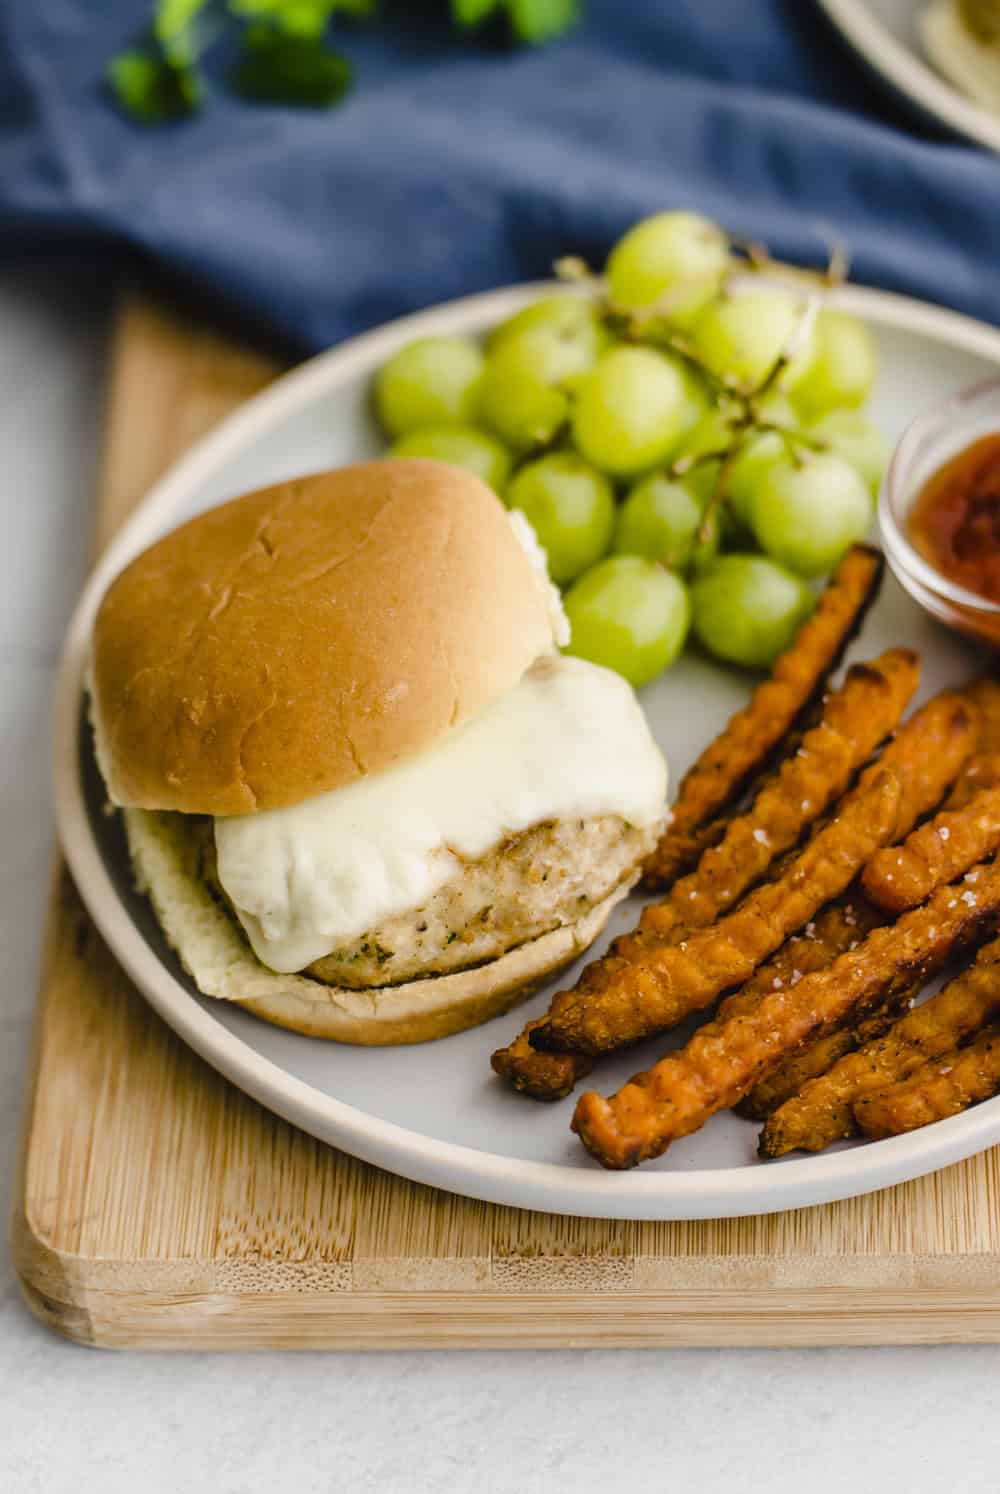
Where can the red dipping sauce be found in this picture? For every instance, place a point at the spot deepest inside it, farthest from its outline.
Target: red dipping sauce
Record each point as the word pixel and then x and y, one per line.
pixel 955 521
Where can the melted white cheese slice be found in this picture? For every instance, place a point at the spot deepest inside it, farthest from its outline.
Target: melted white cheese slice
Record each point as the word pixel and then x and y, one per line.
pixel 570 741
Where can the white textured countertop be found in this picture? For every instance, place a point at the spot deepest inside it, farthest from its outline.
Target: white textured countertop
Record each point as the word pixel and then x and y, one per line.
pixel 75 1420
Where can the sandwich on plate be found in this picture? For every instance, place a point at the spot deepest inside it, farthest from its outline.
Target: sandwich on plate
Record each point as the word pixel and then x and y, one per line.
pixel 367 796
pixel 962 39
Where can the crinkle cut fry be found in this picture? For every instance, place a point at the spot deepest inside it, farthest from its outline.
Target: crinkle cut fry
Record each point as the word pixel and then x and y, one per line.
pixel 856 718
pixel 542 1076
pixel 687 846
pixel 823 1112
pixel 984 694
pixel 820 1054
pixel 927 753
pixel 836 928
pixel 645 996
pixel 726 766
pixel 839 926
pixel 982 771
pixel 899 877
pixel 944 1087
pixel 723 1059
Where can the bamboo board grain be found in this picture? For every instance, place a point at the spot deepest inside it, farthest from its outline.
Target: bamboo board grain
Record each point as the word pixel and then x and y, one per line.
pixel 158 1207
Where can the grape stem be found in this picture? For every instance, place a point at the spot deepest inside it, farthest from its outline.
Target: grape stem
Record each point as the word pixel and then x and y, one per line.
pixel 743 418
pixel 718 497
pixel 798 340
pixel 754 257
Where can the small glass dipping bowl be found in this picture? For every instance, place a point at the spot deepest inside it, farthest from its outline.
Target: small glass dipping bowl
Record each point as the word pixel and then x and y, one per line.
pixel 930 441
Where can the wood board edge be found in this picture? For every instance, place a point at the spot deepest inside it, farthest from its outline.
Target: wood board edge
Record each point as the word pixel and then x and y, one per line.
pixel 832 1317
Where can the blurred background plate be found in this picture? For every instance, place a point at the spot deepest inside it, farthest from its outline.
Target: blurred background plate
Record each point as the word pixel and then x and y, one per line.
pixel 885 34
pixel 435 1113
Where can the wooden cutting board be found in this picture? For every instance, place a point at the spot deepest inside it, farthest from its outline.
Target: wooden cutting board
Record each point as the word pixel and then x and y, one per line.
pixel 157 1207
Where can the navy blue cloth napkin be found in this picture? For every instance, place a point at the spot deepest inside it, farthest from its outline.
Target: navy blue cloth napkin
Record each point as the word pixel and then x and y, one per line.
pixel 454 168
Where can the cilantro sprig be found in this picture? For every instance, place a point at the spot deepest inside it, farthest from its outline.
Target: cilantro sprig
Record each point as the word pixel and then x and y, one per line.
pixel 285 52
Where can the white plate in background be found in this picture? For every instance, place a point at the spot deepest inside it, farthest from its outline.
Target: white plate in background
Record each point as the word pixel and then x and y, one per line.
pixel 885 33
pixel 434 1112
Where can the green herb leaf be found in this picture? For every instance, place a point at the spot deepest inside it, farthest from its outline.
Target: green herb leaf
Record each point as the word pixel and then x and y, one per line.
pixel 152 89
pixel 281 68
pixel 300 17
pixel 537 21
pixel 531 21
pixel 469 13
pixel 176 32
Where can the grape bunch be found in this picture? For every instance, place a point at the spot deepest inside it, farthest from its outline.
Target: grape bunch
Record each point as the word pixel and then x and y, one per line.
pixel 691 453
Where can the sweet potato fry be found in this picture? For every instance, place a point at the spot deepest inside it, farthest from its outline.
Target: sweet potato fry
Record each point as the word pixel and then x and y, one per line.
pixel 928 753
pixel 637 998
pixel 900 877
pixel 837 928
pixel 687 846
pixel 855 719
pixel 725 768
pixel 984 695
pixel 818 1056
pixel 542 1076
pixel 981 772
pixel 723 1059
pixel 944 1087
pixel 842 925
pixel 823 1112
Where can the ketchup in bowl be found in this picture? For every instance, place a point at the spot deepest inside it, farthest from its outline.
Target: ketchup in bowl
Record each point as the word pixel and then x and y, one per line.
pixel 955 521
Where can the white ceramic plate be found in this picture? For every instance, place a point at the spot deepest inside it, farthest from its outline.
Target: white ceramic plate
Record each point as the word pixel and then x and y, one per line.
pixel 886 34
pixel 435 1113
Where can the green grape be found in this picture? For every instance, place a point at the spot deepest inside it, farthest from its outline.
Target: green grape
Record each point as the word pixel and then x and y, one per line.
pixel 555 340
pixel 433 381
pixel 571 508
pixel 758 454
pixel 746 609
pixel 841 370
pixel 852 436
pixel 698 399
pixel 630 411
pixel 661 520
pixel 742 336
pixel 520 409
pixel 778 409
pixel 628 614
pixel 807 514
pixel 676 258
pixel 462 446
